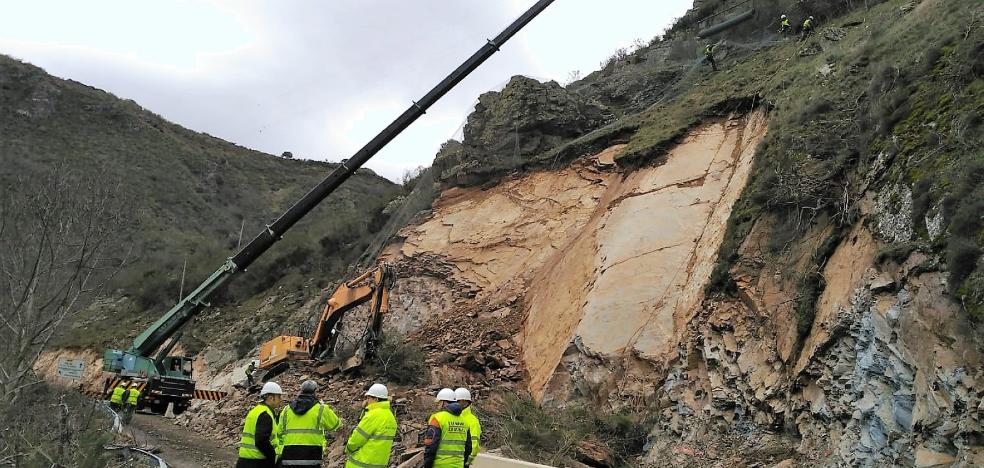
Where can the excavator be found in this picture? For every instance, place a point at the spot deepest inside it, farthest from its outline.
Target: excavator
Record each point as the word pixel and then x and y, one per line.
pixel 373 286
pixel 168 379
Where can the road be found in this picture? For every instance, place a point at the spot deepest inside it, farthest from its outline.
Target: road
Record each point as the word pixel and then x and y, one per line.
pixel 179 447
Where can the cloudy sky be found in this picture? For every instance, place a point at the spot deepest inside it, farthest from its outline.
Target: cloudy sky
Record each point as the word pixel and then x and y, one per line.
pixel 317 78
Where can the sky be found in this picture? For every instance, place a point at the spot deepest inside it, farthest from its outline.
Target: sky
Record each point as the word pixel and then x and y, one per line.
pixel 316 78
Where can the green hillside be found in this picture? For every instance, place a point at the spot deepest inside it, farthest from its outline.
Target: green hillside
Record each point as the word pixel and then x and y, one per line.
pixel 187 195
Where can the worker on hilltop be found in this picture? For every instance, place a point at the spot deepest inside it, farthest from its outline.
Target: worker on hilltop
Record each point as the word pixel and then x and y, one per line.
pixel 302 428
pixel 464 398
pixel 132 398
pixel 116 399
pixel 259 445
pixel 709 56
pixel 808 27
pixel 784 26
pixel 372 440
pixel 447 436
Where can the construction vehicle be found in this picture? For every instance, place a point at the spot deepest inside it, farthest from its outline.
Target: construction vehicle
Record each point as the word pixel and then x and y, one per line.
pixel 169 378
pixel 373 286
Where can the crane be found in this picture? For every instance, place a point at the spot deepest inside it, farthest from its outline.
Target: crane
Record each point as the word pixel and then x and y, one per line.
pixel 169 378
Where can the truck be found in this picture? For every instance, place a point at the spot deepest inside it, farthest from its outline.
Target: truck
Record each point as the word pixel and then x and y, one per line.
pixel 169 378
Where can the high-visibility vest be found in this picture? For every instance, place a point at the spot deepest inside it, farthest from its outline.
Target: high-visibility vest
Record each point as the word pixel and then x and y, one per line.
pixel 785 23
pixel 454 438
pixel 808 24
pixel 117 395
pixel 304 432
pixel 476 432
pixel 370 444
pixel 133 397
pixel 708 51
pixel 247 443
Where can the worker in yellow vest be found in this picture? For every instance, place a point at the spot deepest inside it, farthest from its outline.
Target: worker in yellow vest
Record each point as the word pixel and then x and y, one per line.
pixel 371 441
pixel 132 398
pixel 302 428
pixel 447 436
pixel 464 398
pixel 259 445
pixel 116 399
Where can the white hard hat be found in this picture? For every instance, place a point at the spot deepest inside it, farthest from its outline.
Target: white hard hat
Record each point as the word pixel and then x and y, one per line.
pixel 783 16
pixel 271 388
pixel 378 390
pixel 446 394
pixel 462 394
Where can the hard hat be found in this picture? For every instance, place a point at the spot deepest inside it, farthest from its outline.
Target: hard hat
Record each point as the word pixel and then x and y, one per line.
pixel 811 17
pixel 271 388
pixel 309 387
pixel 378 390
pixel 256 362
pixel 783 16
pixel 462 394
pixel 134 384
pixel 446 394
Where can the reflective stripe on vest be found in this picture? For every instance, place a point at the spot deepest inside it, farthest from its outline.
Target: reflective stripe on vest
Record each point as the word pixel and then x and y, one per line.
pixel 300 462
pixel 247 442
pixel 355 462
pixel 454 437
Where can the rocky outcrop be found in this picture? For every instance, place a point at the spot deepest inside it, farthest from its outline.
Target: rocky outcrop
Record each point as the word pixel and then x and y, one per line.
pixel 527 118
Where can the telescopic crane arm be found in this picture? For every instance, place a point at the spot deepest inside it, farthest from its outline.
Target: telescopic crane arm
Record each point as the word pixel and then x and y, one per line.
pixel 182 312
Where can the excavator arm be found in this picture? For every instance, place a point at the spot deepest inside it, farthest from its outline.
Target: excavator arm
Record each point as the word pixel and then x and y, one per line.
pixel 372 286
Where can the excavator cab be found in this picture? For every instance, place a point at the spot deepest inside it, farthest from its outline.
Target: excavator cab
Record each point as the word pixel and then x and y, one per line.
pixel 372 286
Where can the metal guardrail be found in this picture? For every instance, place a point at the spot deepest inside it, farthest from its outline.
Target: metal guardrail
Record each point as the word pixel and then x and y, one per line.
pixel 129 453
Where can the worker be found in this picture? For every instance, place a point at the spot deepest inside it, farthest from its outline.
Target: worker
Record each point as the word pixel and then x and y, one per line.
pixel 464 398
pixel 250 368
pixel 808 27
pixel 372 440
pixel 132 398
pixel 116 399
pixel 260 441
pixel 784 26
pixel 709 56
pixel 302 428
pixel 447 434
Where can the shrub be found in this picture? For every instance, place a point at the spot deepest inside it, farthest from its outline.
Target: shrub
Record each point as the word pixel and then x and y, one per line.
pixel 398 361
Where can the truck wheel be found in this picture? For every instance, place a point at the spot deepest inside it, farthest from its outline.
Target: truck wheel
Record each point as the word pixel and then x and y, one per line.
pixel 158 408
pixel 178 408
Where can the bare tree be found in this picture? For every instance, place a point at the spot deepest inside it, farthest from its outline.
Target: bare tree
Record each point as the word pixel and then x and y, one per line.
pixel 56 241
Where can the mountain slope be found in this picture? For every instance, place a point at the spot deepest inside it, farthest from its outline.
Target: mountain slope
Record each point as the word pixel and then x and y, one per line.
pixel 188 194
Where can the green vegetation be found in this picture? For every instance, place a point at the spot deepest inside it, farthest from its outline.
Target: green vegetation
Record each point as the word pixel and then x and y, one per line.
pixel 188 195
pixel 54 427
pixel 527 430
pixel 398 361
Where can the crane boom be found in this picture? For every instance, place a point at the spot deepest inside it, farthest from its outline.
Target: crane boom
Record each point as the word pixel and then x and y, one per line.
pixel 137 360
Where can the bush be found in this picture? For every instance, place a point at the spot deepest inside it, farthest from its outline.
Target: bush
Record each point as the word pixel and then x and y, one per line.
pixel 54 427
pixel 527 430
pixel 398 361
